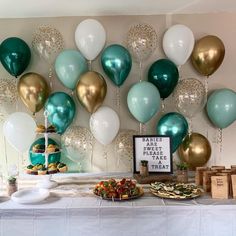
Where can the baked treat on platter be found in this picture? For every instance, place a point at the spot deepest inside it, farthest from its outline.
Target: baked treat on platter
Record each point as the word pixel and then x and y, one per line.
pixel 42 171
pixel 40 129
pixel 51 129
pixel 29 169
pixel 38 148
pixel 62 167
pixel 52 170
pixel 52 148
pixel 34 170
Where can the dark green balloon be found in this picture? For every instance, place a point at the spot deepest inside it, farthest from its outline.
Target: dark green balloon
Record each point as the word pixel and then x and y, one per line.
pixel 61 110
pixel 174 125
pixel 164 75
pixel 116 62
pixel 39 158
pixel 15 55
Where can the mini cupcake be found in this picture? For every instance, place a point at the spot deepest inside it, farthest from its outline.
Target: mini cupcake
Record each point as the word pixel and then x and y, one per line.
pixel 29 169
pixel 51 129
pixel 42 171
pixel 34 170
pixel 51 148
pixel 40 129
pixel 39 166
pixel 53 164
pixel 52 170
pixel 62 167
pixel 38 148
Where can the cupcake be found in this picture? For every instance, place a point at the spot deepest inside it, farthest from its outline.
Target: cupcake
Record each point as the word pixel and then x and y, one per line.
pixel 39 166
pixel 52 148
pixel 29 169
pixel 62 167
pixel 42 171
pixel 38 148
pixel 34 171
pixel 53 164
pixel 52 170
pixel 40 129
pixel 51 129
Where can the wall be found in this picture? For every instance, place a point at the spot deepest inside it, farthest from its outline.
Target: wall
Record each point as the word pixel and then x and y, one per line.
pixel 116 28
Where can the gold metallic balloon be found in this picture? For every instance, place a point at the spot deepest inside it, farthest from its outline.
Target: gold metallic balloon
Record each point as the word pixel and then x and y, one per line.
pixel 33 91
pixel 91 90
pixel 195 150
pixel 208 54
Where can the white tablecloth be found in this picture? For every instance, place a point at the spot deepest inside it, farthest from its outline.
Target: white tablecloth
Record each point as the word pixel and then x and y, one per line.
pixel 82 215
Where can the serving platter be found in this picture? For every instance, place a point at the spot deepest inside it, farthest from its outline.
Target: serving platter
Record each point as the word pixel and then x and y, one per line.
pixel 176 191
pixel 141 192
pixel 27 196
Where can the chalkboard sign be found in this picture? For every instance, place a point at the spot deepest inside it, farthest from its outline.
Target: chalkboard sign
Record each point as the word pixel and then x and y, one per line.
pixel 156 150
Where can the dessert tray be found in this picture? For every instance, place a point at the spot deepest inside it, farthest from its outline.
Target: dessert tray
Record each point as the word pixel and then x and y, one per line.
pixel 177 191
pixel 27 196
pixel 121 190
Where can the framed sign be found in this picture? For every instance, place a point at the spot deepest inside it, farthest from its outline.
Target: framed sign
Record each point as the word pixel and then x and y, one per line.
pixel 155 149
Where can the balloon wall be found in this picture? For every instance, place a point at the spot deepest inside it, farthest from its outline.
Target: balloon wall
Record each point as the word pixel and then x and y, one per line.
pixel 88 63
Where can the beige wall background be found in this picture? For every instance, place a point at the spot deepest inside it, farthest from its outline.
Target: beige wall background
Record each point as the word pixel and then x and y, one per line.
pixel 221 25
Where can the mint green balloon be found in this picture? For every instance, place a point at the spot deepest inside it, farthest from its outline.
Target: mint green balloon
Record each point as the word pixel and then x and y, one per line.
pixel 143 101
pixel 221 107
pixel 69 66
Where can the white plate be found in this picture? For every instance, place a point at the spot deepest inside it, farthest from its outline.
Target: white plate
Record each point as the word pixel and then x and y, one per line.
pixel 33 195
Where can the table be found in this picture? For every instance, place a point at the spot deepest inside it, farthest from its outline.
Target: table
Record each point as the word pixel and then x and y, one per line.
pixel 72 210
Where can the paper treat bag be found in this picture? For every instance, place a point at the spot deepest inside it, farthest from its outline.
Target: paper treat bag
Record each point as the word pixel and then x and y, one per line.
pixel 220 187
pixel 233 178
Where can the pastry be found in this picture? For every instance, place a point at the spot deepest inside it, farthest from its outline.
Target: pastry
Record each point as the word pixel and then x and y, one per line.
pixel 51 129
pixel 39 166
pixel 38 148
pixel 52 170
pixel 53 164
pixel 62 167
pixel 52 148
pixel 42 171
pixel 40 129
pixel 34 171
pixel 29 169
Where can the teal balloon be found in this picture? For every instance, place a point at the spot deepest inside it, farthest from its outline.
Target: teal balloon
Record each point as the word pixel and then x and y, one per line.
pixel 143 101
pixel 221 107
pixel 39 158
pixel 116 63
pixel 174 125
pixel 164 75
pixel 15 55
pixel 69 66
pixel 61 110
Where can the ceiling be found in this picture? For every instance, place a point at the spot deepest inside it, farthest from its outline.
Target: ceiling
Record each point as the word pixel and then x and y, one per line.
pixel 54 8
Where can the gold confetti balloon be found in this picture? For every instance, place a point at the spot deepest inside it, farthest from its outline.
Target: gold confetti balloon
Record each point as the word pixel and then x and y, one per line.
pixel 8 96
pixel 189 97
pixel 47 43
pixel 141 41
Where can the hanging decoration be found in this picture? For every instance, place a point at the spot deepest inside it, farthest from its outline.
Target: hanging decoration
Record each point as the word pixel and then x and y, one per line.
pixel 33 91
pixel 195 150
pixel 174 125
pixel 15 55
pixel 69 66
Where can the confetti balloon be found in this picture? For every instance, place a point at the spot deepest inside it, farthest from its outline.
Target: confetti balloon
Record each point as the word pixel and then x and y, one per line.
pixel 77 145
pixel 47 43
pixel 189 97
pixel 8 97
pixel 141 41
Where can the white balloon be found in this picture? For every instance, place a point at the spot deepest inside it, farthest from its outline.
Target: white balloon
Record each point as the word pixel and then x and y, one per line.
pixel 19 130
pixel 104 125
pixel 178 43
pixel 90 38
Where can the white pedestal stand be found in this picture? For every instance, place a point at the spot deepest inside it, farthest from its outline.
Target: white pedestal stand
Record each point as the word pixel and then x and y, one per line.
pixel 47 181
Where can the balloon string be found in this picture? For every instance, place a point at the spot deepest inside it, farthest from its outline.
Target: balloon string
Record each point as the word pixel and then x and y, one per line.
pixel 180 74
pixel 5 151
pixel 118 98
pixel 220 139
pixel 17 99
pixel 206 85
pixel 142 128
pixel 50 76
pixel 140 71
pixel 90 65
pixel 190 126
pixel 105 156
pixel 162 106
pixel 91 157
